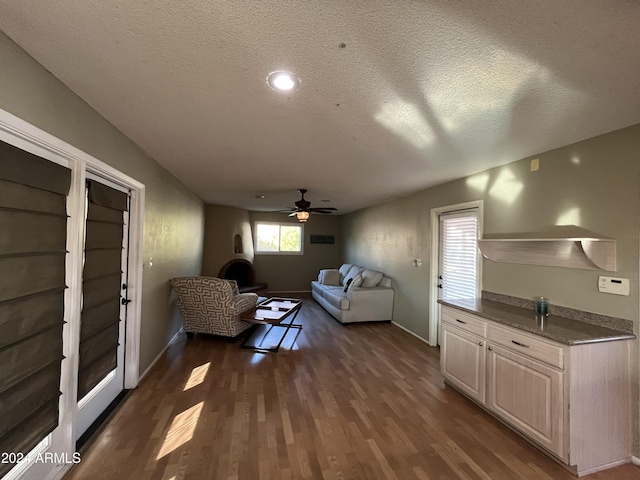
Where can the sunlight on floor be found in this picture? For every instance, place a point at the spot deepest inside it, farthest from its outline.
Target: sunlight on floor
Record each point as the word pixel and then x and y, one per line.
pixel 181 430
pixel 197 376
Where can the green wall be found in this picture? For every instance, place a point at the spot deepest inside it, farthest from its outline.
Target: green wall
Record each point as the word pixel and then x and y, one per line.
pixel 174 217
pixel 594 184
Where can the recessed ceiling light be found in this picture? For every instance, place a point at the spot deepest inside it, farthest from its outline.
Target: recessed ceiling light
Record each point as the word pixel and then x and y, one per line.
pixel 283 81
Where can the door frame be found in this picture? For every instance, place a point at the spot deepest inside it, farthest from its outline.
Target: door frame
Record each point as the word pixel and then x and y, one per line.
pixel 434 306
pixel 21 134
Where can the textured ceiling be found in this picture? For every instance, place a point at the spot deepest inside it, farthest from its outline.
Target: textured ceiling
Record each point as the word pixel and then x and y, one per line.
pixel 421 93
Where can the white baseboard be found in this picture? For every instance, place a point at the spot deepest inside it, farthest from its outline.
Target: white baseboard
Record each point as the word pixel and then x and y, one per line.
pixel 635 460
pixel 409 331
pixel 171 342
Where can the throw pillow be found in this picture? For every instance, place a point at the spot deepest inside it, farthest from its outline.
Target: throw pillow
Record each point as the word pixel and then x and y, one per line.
pixel 355 282
pixel 329 277
pixel 353 272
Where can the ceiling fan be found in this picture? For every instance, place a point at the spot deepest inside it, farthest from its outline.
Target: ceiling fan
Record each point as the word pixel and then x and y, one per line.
pixel 303 208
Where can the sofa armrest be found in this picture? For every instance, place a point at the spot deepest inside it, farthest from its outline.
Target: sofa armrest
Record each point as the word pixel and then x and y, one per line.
pixel 372 302
pixel 243 302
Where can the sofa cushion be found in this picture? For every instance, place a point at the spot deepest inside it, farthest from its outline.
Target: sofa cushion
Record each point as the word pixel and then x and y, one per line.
pixel 329 277
pixel 344 269
pixel 336 299
pixel 353 272
pixel 371 278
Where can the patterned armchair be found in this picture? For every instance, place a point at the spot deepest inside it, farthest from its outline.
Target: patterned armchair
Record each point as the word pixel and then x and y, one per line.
pixel 212 305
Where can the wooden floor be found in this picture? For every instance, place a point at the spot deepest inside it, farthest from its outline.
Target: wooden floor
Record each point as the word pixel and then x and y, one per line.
pixel 345 402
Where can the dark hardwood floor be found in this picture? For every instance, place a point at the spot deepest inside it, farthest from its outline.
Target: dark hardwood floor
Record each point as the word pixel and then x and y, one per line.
pixel 345 402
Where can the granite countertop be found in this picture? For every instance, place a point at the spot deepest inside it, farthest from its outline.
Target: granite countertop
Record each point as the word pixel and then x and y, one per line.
pixel 560 329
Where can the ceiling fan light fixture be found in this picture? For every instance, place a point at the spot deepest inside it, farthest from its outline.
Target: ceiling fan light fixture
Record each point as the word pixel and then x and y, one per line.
pixel 302 216
pixel 283 81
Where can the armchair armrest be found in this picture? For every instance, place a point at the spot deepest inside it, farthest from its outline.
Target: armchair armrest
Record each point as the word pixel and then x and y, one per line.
pixel 243 302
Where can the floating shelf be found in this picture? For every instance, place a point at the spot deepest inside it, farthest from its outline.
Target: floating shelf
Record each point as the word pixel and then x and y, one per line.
pixel 560 246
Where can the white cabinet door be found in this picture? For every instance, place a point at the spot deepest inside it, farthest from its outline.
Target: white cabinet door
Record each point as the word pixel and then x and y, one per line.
pixel 528 395
pixel 464 361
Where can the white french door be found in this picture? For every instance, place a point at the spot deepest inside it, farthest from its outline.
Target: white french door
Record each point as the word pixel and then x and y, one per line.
pixel 458 256
pixel 96 401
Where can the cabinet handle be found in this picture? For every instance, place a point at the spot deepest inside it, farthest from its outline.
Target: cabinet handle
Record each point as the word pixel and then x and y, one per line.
pixel 520 344
pixel 481 344
pixel 490 349
pixel 458 320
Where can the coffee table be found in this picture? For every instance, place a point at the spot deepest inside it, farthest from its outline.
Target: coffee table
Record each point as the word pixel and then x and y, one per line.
pixel 272 312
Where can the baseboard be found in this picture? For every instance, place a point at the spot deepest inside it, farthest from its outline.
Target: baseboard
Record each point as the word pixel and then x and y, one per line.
pixel 635 460
pixel 171 342
pixel 409 331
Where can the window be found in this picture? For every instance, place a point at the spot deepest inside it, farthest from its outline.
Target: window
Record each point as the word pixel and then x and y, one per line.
pixel 278 238
pixel 459 255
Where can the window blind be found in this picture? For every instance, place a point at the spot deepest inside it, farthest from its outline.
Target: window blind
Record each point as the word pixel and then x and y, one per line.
pixel 101 285
pixel 458 255
pixel 33 235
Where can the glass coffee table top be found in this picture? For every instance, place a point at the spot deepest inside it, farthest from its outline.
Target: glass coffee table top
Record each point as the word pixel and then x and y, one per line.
pixel 273 312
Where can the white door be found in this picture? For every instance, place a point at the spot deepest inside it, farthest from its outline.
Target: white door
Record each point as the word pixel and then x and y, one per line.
pixel 94 402
pixel 458 257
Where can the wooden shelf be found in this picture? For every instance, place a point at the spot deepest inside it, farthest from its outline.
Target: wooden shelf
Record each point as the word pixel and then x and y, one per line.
pixel 561 246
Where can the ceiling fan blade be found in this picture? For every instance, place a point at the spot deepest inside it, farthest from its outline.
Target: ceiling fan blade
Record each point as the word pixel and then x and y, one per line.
pixel 323 209
pixel 293 214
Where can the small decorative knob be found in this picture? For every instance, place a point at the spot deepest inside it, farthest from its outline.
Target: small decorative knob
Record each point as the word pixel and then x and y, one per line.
pixel 490 348
pixel 481 344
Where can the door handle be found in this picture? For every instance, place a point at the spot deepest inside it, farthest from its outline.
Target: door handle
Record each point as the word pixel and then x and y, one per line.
pixel 125 301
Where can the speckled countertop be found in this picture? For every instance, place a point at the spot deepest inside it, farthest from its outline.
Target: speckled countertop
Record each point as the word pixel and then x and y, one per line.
pixel 557 328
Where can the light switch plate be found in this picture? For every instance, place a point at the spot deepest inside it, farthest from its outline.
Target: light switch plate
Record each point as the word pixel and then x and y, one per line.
pixel 616 286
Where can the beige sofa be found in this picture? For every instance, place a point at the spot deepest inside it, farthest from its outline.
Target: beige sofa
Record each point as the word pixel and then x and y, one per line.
pixel 354 294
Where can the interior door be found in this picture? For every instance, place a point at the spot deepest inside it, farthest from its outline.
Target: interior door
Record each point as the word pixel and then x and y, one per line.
pixel 458 257
pixel 104 300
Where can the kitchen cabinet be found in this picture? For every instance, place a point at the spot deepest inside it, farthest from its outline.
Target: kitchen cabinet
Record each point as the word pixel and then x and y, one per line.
pixel 465 364
pixel 571 400
pixel 528 395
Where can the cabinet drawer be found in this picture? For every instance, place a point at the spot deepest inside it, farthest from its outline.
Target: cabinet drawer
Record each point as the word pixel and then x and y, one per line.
pixel 527 345
pixel 464 321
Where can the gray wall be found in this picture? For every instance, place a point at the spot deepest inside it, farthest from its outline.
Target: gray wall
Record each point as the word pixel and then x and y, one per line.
pixel 174 217
pixel 293 273
pixel 222 224
pixel 594 184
